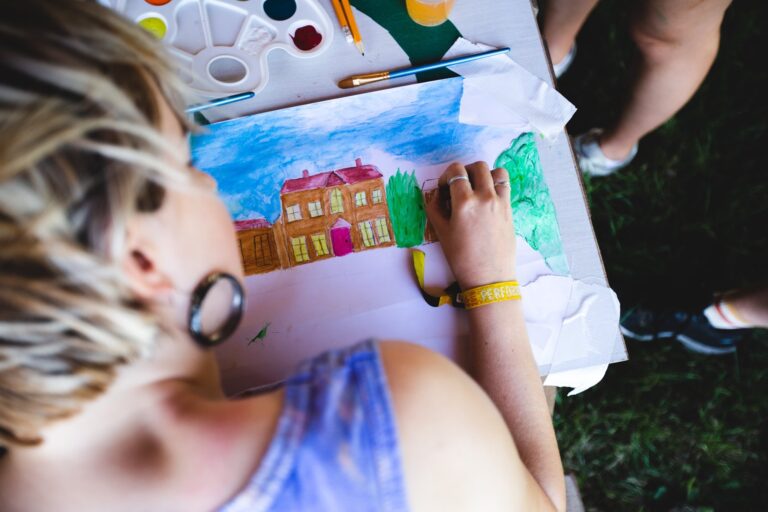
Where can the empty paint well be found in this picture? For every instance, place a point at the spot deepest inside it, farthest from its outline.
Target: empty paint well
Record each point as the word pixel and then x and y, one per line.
pixel 306 38
pixel 225 22
pixel 190 37
pixel 228 70
pixel 280 10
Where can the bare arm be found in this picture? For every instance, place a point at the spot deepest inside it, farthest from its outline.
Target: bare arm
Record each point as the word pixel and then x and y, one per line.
pixel 477 235
pixel 503 365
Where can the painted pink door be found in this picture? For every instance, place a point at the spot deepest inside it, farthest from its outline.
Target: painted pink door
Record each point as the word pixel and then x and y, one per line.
pixel 341 239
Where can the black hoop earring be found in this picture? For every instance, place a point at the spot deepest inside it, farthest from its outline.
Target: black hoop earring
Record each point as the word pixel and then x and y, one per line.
pixel 195 310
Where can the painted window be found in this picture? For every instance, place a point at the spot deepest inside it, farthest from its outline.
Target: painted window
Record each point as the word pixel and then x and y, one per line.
pixel 337 203
pixel 293 212
pixel 366 230
pixel 361 199
pixel 300 252
pixel 321 246
pixel 377 196
pixel 257 250
pixel 315 209
pixel 382 230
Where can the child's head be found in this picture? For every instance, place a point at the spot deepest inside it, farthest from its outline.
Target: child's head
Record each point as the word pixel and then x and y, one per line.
pixel 92 235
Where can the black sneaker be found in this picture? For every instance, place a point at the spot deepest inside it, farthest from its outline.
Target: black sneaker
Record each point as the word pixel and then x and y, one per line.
pixel 699 336
pixel 693 330
pixel 646 325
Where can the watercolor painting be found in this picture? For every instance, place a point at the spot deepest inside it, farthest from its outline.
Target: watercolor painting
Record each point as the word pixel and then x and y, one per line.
pixel 323 215
pixel 328 200
pixel 340 178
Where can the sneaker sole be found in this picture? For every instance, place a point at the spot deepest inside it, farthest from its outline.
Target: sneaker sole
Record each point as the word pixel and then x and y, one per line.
pixel 645 337
pixel 701 348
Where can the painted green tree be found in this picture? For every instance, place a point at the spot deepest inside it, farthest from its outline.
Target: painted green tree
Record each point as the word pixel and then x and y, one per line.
pixel 534 211
pixel 406 209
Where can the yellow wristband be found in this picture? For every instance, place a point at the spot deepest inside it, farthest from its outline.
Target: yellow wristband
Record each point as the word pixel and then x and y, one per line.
pixel 490 294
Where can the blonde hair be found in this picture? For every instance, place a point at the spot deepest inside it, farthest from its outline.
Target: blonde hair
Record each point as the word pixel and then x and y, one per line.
pixel 80 153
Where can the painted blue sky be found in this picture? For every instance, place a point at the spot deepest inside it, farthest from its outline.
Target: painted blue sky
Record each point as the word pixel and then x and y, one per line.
pixel 251 157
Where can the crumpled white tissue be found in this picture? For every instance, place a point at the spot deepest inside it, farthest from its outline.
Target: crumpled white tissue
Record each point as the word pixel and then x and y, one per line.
pixel 500 92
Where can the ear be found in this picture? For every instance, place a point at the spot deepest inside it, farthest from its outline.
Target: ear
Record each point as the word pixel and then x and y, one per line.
pixel 140 266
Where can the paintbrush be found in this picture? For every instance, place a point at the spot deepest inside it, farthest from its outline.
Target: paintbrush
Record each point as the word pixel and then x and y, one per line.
pixel 220 102
pixel 369 78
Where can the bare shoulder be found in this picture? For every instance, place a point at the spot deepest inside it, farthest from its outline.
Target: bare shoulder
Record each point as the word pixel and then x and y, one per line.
pixel 457 451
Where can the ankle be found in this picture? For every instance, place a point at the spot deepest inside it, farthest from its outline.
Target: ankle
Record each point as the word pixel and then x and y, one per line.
pixel 722 315
pixel 558 48
pixel 615 149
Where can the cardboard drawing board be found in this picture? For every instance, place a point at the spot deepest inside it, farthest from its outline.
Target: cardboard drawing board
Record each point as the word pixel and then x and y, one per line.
pixel 328 198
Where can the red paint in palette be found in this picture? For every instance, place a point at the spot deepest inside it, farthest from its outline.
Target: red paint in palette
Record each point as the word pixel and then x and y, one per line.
pixel 307 38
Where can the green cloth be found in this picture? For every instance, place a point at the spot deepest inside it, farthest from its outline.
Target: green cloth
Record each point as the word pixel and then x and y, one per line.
pixel 423 45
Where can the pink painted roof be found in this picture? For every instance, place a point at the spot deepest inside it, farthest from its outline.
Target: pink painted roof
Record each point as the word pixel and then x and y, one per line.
pixel 347 175
pixel 341 223
pixel 242 225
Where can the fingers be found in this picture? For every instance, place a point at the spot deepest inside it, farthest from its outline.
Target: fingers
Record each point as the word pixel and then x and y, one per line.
pixel 503 188
pixel 454 169
pixel 479 174
pixel 459 183
pixel 500 179
pixel 456 179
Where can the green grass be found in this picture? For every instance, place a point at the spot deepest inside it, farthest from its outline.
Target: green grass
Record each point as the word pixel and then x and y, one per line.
pixel 671 430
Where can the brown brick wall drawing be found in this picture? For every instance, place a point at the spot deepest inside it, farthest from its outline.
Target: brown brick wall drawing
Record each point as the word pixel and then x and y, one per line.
pixel 369 213
pixel 258 250
pixel 298 237
pixel 429 231
pixel 353 214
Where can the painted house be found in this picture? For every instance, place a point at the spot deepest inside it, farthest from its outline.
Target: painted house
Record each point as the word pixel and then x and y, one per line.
pixel 430 235
pixel 335 213
pixel 258 246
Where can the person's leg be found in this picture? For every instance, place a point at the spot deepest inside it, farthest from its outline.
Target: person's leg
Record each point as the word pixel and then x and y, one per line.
pixel 561 20
pixel 678 41
pixel 740 309
pixel 716 330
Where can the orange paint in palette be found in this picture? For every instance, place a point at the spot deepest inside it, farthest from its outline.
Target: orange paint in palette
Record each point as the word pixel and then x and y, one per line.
pixel 222 46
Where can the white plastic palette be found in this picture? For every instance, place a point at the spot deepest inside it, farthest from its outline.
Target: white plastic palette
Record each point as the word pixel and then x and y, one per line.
pixel 222 45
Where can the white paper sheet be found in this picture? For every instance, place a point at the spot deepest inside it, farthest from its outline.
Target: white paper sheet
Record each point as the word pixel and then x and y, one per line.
pixel 581 322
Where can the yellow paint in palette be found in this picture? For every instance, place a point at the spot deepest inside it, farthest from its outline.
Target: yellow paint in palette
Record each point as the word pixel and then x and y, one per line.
pixel 155 26
pixel 429 13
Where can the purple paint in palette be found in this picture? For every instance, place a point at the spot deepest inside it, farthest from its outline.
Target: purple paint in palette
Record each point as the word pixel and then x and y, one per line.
pixel 222 47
